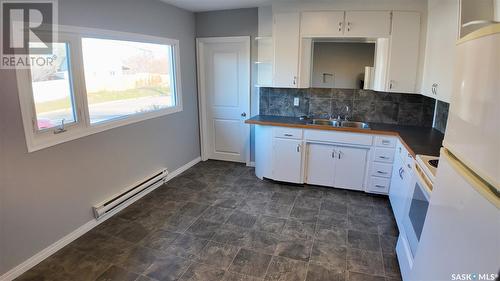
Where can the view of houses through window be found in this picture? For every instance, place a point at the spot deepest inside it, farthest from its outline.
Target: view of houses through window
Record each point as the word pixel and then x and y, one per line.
pixel 124 78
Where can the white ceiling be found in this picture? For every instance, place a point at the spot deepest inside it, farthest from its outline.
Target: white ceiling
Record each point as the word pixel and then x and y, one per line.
pixel 212 5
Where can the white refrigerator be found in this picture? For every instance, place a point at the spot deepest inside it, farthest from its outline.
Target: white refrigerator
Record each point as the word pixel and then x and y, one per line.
pixel 461 236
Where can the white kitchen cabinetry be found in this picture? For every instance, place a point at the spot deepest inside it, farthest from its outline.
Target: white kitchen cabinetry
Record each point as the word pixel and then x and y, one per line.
pixel 349 160
pixel 400 184
pixel 320 164
pixel 442 34
pixel 350 167
pixel 404 52
pixel 371 24
pixel 287 160
pixel 336 166
pixel 381 166
pixel 286 43
pixel 322 24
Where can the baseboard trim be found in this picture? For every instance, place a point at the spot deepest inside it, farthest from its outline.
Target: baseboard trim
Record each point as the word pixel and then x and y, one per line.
pixel 56 246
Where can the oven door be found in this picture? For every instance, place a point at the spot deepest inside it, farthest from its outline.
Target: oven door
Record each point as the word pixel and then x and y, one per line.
pixel 416 208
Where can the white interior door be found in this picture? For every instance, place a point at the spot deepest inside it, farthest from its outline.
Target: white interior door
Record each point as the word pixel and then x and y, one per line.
pixel 224 91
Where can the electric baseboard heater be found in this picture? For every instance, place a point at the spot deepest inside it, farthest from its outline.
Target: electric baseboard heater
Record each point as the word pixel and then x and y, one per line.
pixel 130 194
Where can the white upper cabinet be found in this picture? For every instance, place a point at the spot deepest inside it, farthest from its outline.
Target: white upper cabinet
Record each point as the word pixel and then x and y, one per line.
pixel 442 34
pixel 403 52
pixel 372 24
pixel 322 24
pixel 286 28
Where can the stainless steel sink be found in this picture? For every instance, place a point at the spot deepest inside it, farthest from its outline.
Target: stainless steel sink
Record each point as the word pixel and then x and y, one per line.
pixel 338 123
pixel 326 122
pixel 354 124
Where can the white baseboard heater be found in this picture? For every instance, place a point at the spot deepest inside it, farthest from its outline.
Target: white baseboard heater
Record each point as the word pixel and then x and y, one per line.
pixel 130 194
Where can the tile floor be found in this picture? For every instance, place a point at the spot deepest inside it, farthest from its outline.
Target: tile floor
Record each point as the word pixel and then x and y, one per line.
pixel 217 221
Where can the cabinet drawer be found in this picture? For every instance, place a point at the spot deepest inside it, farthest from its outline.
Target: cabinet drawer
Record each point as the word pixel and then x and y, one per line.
pixel 389 142
pixel 338 137
pixel 385 155
pixel 379 185
pixel 381 170
pixel 287 133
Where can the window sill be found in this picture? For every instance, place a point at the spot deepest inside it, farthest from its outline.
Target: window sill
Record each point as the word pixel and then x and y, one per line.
pixel 38 143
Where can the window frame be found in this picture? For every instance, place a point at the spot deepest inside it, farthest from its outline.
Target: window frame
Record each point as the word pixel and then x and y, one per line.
pixel 40 139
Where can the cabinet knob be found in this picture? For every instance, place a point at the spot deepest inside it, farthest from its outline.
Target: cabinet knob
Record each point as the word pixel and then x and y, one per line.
pixel 340 26
pixel 244 114
pixel 294 80
pixel 348 26
pixel 298 147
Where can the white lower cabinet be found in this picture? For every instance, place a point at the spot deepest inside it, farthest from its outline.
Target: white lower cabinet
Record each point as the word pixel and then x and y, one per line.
pixel 327 158
pixel 336 166
pixel 350 168
pixel 320 164
pixel 287 160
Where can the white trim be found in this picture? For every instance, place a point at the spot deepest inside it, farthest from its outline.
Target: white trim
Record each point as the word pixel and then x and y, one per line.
pixel 202 95
pixel 36 141
pixel 59 244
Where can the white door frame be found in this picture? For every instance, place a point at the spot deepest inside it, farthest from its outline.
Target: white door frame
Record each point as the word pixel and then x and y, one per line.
pixel 202 102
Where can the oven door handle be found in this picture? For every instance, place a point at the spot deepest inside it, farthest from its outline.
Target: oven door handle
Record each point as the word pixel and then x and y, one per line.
pixel 423 180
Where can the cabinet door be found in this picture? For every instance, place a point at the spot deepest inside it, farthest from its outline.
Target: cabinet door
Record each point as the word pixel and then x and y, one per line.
pixel 367 24
pixel 286 49
pixel 320 164
pixel 442 34
pixel 287 160
pixel 322 24
pixel 404 52
pixel 350 167
pixel 400 186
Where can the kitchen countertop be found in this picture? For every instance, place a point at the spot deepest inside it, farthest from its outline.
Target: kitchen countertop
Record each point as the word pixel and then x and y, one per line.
pixel 418 140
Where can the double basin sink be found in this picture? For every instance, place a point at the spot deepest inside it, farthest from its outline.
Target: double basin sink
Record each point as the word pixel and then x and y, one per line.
pixel 339 123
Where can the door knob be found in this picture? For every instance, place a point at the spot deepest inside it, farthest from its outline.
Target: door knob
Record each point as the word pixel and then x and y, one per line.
pixel 244 114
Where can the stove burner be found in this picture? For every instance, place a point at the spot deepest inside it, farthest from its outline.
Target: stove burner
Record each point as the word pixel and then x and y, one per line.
pixel 434 163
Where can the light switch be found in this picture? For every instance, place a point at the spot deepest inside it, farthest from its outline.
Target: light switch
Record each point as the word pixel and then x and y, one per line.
pixel 296 101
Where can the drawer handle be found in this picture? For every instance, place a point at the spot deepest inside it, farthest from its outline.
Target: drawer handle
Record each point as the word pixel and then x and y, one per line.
pixel 383 157
pixel 288 135
pixel 379 186
pixel 386 142
pixel 382 172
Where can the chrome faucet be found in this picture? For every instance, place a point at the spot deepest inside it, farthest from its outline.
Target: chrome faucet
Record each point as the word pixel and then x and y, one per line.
pixel 339 116
pixel 346 112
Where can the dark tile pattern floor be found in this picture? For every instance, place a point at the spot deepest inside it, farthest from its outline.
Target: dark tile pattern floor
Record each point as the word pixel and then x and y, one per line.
pixel 217 221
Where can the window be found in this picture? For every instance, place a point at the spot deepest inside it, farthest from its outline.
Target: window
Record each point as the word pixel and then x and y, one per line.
pixel 124 78
pixel 52 90
pixel 98 80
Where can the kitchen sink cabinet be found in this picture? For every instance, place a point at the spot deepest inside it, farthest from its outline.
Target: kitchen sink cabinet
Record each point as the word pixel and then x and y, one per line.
pixel 350 168
pixel 320 164
pixel 336 166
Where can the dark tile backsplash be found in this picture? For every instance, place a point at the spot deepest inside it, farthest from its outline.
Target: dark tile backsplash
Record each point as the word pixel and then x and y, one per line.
pixel 442 109
pixel 364 105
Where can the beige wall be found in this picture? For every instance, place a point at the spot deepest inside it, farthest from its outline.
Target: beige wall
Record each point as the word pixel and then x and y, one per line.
pixel 47 194
pixel 345 61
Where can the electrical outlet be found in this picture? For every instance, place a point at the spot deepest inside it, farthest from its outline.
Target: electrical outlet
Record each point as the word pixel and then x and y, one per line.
pixel 296 101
